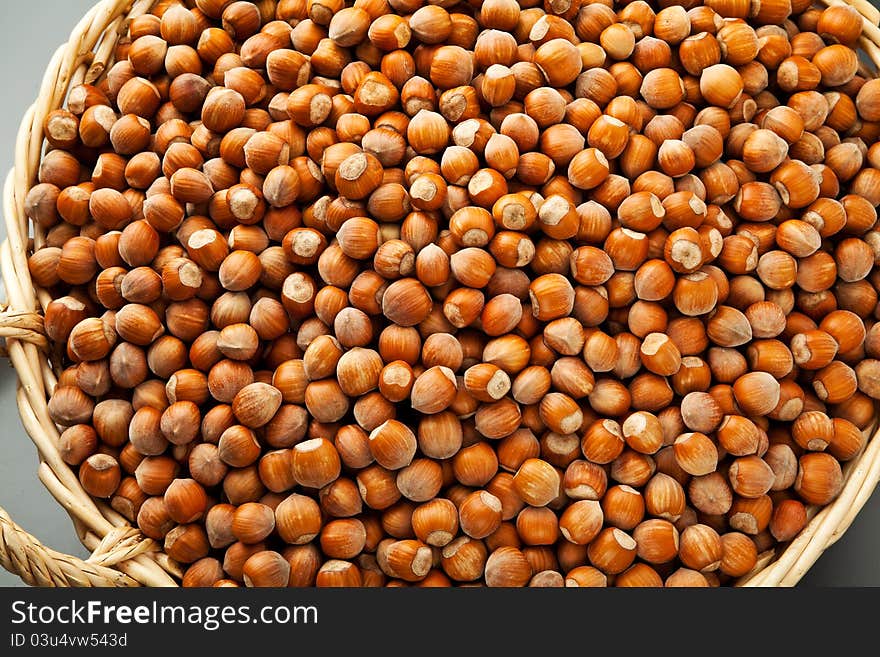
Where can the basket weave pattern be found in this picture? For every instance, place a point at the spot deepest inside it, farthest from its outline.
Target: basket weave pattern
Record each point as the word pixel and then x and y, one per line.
pixel 121 554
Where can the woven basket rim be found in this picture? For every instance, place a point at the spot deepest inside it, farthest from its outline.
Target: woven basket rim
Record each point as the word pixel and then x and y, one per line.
pixel 121 554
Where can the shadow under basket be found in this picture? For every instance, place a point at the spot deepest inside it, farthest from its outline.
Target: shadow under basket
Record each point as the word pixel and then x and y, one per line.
pixel 121 554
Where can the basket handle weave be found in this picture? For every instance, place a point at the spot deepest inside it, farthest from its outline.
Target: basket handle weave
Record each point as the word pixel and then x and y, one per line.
pixel 23 555
pixel 24 326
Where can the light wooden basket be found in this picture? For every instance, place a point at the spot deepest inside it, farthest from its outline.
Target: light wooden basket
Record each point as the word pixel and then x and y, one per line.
pixel 121 554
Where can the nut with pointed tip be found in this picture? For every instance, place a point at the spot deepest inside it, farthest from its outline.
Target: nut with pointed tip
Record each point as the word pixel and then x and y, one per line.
pixel 537 482
pixel 316 463
pixel 434 390
pixel 408 559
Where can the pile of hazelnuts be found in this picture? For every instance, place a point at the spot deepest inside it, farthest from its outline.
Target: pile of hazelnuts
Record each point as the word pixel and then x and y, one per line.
pixel 394 292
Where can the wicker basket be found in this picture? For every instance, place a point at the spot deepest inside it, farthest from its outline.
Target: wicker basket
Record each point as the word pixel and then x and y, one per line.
pixel 121 555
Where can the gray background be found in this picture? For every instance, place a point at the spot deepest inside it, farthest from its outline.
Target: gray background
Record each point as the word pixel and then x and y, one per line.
pixel 32 30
